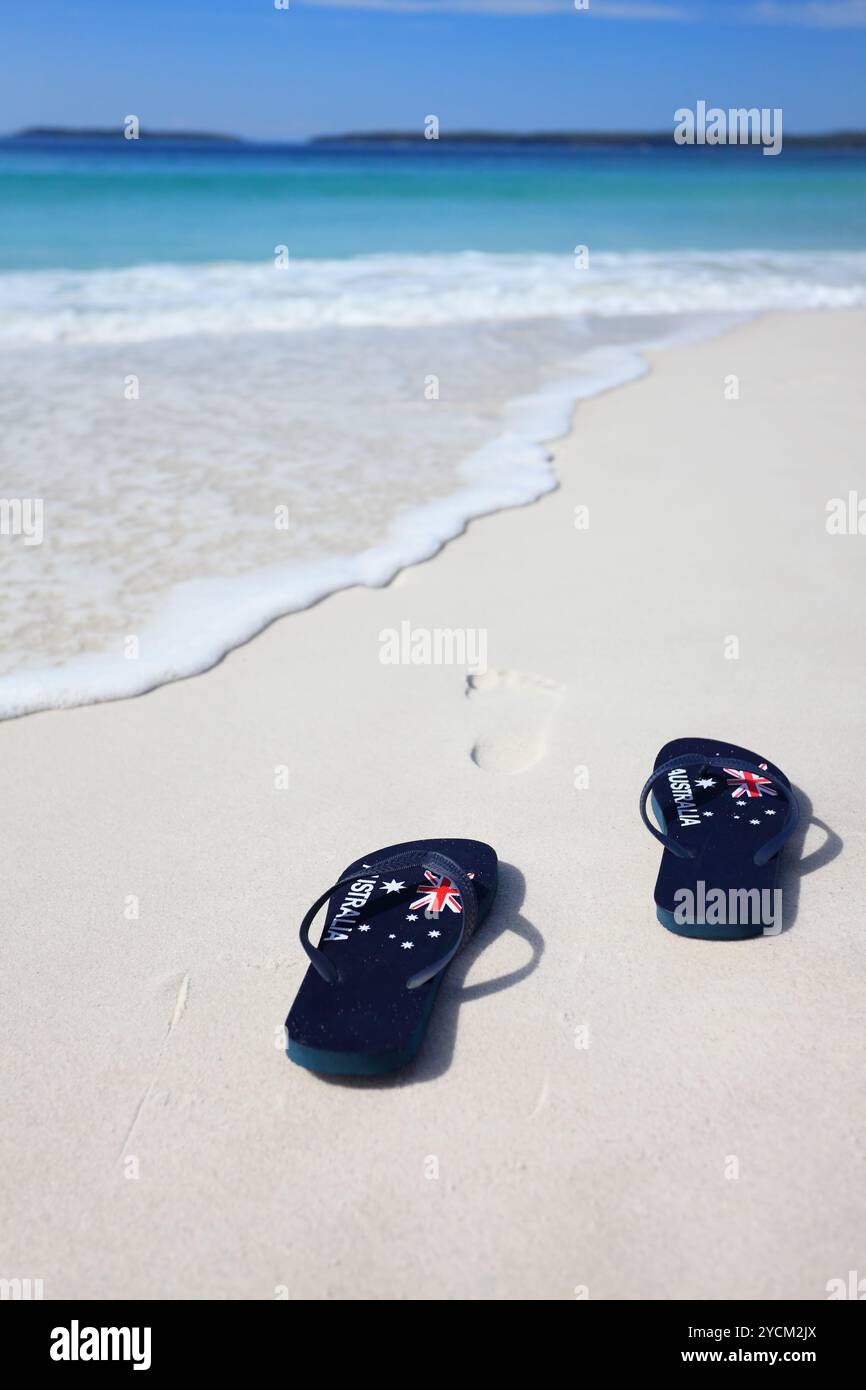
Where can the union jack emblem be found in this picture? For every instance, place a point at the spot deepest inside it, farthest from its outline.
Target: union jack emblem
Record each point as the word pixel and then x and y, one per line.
pixel 441 894
pixel 749 784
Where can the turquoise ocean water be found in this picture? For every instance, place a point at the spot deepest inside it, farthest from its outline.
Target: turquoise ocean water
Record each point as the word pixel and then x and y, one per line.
pixel 89 205
pixel 171 382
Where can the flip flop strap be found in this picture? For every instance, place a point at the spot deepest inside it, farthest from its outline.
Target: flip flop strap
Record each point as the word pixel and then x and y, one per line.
pixel 766 851
pixel 434 862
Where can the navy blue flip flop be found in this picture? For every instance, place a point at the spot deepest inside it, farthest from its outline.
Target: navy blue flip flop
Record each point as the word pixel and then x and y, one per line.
pixel 394 922
pixel 724 814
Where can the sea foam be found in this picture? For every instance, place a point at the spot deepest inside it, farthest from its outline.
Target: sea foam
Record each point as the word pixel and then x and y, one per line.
pixel 397 291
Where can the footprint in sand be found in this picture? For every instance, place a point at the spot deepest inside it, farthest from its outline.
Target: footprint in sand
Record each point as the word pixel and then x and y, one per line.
pixel 514 712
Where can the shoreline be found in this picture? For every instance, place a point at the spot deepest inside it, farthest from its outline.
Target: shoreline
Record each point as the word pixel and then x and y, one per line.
pixel 587 1076
pixel 512 469
pixel 202 621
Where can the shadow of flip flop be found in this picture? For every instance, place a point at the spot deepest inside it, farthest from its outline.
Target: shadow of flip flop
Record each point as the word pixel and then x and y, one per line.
pixel 795 865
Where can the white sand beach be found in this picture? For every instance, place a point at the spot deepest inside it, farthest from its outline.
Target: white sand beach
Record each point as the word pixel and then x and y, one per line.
pixel 601 1109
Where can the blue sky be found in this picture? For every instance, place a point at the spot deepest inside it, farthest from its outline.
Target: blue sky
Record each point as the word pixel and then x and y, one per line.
pixel 244 67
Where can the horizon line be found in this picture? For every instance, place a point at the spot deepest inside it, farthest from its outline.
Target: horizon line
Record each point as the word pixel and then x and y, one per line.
pixel 413 136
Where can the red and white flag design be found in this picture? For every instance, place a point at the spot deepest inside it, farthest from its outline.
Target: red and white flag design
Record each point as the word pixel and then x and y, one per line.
pixel 441 894
pixel 749 784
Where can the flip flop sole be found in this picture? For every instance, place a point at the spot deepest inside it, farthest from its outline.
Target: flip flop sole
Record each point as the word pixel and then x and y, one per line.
pixel 700 929
pixel 329 1063
pixel 378 931
pixel 722 815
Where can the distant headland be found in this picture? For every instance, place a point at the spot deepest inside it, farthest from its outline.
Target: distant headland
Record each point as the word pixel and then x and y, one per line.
pixel 559 137
pixel 49 132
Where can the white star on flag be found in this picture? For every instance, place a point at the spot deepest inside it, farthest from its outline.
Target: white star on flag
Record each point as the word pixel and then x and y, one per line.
pixel 434 933
pixel 363 929
pixel 393 886
pixel 407 945
pixel 705 782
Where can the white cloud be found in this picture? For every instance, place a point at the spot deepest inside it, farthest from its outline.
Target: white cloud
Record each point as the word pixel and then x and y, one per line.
pixel 601 9
pixel 815 14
